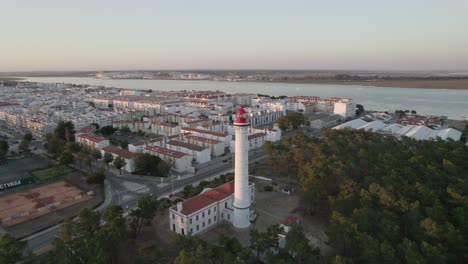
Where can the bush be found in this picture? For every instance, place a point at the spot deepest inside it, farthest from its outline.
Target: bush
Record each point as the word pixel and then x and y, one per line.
pixel 268 188
pixel 96 178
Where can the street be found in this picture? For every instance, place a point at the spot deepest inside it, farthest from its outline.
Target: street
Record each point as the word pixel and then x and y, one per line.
pixel 126 190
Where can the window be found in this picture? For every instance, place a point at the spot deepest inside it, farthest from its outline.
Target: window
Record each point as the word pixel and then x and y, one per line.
pixel 196 217
pixel 198 227
pixel 182 220
pixel 203 215
pixel 225 205
pixel 229 216
pixel 214 209
pixel 190 220
pixel 203 224
pixel 183 233
pixel 173 216
pixel 191 230
pixel 209 211
pixel 214 219
pixel 173 227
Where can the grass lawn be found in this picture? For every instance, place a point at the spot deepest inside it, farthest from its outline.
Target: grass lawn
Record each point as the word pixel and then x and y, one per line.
pixel 49 173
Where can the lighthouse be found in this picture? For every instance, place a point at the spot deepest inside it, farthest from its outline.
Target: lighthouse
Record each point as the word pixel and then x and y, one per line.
pixel 241 178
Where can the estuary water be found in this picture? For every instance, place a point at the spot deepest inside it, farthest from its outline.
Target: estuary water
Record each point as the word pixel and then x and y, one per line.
pixel 450 103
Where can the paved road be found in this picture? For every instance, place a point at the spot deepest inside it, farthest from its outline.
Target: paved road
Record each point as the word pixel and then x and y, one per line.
pixel 126 190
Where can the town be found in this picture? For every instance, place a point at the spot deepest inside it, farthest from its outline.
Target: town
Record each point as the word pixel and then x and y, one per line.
pixel 184 148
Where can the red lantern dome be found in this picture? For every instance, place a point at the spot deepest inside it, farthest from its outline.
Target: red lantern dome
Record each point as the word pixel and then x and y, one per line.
pixel 241 115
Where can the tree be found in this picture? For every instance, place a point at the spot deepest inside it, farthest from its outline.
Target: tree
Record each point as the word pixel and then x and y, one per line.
pixel 283 123
pixel 65 131
pixel 24 146
pixel 389 200
pixel 261 242
pixel 296 119
pixel 152 165
pixel 108 158
pixel 96 155
pixel 66 157
pixel 146 210
pixel 92 238
pixel 118 163
pixel 11 249
pixel 359 109
pixel 3 149
pixel 413 112
pixel 297 249
pixel 97 177
pixel 113 234
pixel 28 136
pixel 107 130
pixel 125 129
pixel 124 144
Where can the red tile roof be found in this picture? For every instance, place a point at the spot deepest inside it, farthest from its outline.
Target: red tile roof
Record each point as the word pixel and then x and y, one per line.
pixel 201 131
pixel 205 199
pixel 92 138
pixel 178 135
pixel 166 151
pixel 202 139
pixel 256 135
pixel 163 124
pixel 86 130
pixel 186 145
pixel 197 121
pixel 119 152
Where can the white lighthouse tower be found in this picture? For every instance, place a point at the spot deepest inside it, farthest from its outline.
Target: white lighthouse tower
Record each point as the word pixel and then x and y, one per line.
pixel 241 181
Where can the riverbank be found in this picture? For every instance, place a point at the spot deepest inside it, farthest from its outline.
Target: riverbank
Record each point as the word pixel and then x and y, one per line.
pixel 416 84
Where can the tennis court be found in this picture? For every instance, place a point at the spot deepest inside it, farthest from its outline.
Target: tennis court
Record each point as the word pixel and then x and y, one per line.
pixel 25 205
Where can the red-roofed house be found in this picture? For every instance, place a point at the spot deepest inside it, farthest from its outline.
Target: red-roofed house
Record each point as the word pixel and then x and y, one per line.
pixel 165 129
pixel 223 137
pixel 92 141
pixel 216 146
pixel 205 210
pixel 128 156
pixel 180 162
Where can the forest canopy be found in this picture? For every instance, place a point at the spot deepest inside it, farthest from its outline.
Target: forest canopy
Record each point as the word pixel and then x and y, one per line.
pixel 388 200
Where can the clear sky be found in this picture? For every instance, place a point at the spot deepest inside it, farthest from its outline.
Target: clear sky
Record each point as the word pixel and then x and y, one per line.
pixel 222 34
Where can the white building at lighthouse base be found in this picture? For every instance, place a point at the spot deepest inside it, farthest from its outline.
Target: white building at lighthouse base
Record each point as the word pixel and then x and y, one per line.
pixel 206 210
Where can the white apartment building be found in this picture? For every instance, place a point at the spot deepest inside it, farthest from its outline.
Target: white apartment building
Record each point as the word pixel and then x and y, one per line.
pixel 345 108
pixel 206 210
pixel 179 161
pixel 129 157
pixel 92 141
pixel 200 154
pixel 223 137
pixel 134 126
pixel 216 146
pixel 139 146
pixel 166 129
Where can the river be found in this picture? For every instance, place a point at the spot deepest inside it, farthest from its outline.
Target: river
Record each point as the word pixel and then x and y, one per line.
pixel 451 103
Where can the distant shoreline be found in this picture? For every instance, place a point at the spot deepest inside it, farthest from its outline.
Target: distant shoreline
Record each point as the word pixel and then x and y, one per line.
pixel 414 84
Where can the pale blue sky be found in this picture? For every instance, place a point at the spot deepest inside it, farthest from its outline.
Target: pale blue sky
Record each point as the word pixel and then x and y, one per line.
pixel 197 34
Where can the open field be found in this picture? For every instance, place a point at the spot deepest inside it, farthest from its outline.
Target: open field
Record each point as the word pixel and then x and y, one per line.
pixel 22 206
pixel 16 169
pixel 50 173
pixel 421 84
